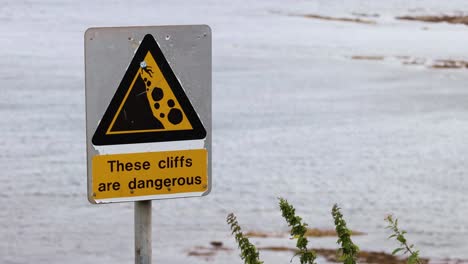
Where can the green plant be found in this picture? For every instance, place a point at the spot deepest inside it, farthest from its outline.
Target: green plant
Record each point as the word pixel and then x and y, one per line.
pixel 249 253
pixel 298 230
pixel 348 250
pixel 399 235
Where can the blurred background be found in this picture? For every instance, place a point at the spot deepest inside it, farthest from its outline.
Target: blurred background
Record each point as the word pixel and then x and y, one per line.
pixel 360 103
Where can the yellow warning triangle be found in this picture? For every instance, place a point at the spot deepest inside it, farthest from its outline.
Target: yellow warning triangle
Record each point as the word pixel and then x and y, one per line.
pixel 149 105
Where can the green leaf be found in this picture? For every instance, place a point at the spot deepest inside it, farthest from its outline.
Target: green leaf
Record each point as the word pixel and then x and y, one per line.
pixel 401 239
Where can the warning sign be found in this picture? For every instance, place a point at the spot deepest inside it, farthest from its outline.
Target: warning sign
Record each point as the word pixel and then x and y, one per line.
pixel 149 105
pixel 147 174
pixel 148 130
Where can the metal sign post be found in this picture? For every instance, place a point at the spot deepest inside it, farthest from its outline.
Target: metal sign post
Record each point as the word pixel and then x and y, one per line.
pixel 143 250
pixel 148 118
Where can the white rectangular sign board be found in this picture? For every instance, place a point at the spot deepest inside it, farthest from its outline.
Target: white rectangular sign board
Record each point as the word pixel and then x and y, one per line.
pixel 148 112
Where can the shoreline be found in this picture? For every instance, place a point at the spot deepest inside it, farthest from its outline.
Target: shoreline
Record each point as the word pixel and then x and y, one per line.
pixel 329 254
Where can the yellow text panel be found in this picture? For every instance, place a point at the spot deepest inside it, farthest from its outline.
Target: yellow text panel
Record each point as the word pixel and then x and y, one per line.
pixel 150 173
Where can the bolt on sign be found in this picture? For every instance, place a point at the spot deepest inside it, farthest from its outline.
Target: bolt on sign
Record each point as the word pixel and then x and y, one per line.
pixel 148 112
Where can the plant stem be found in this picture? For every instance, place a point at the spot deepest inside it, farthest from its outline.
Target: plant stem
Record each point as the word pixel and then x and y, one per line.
pixel 249 253
pixel 298 230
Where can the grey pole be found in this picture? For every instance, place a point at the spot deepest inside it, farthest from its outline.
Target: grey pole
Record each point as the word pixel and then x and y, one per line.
pixel 143 232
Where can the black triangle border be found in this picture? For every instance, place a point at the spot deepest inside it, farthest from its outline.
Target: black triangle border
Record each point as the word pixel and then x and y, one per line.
pixel 198 132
